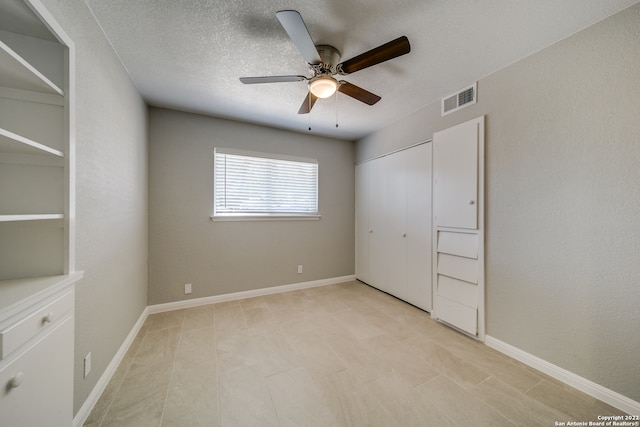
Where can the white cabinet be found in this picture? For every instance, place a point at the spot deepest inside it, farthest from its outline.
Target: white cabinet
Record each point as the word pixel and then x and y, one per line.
pixel 393 224
pixel 36 217
pixel 456 176
pixel 36 352
pixel 458 276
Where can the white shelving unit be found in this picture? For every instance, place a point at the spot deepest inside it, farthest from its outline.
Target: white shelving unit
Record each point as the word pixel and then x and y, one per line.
pixel 37 205
pixel 36 144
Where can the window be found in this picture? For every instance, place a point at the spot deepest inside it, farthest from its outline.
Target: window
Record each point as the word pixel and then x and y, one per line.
pixel 248 184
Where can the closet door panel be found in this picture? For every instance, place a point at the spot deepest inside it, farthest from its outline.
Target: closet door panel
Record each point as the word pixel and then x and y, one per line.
pixel 396 230
pixel 363 197
pixel 418 168
pixel 378 219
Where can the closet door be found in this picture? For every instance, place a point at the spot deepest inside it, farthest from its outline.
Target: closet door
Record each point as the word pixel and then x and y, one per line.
pixel 363 226
pixel 378 219
pixel 395 190
pixel 418 167
pixel 393 224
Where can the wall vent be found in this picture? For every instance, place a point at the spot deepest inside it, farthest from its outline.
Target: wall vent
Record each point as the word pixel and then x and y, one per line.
pixel 460 99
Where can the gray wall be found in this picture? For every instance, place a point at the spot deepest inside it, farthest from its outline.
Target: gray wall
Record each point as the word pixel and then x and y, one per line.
pixel 111 144
pixel 185 246
pixel 562 199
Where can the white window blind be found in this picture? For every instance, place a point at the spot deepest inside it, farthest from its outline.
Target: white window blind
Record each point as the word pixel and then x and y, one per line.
pixel 259 184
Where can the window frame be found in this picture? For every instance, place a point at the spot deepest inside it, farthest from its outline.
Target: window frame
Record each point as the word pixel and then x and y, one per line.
pixel 246 216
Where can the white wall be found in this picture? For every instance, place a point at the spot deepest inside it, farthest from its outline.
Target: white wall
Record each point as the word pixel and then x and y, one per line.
pixel 111 145
pixel 562 199
pixel 185 246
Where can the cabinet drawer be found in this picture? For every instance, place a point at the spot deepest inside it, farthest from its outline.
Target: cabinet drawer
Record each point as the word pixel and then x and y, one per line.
pixel 461 244
pixel 13 336
pixel 456 314
pixel 458 267
pixel 463 292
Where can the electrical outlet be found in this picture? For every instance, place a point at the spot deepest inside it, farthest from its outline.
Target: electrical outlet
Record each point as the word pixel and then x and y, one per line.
pixel 87 364
pixel 187 288
pixel 299 269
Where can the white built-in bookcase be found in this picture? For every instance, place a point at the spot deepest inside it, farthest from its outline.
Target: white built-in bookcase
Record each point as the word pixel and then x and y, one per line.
pixel 36 144
pixel 37 207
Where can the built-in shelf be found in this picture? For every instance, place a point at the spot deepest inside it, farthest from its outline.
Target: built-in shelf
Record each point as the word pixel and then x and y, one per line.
pixel 37 199
pixel 17 73
pixel 13 143
pixel 30 217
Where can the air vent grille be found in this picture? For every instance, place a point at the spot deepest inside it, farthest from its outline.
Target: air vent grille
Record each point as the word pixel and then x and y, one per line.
pixel 459 100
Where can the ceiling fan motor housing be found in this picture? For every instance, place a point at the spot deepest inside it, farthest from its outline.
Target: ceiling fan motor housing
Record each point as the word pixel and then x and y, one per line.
pixel 330 56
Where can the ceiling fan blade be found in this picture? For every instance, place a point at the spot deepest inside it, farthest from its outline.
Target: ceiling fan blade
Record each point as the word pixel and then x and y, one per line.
pixel 358 93
pixel 294 26
pixel 385 52
pixel 271 79
pixel 308 103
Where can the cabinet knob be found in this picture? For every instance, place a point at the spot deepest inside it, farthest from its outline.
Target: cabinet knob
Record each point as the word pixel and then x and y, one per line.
pixel 370 230
pixel 16 380
pixel 48 318
pixel 404 234
pixel 472 202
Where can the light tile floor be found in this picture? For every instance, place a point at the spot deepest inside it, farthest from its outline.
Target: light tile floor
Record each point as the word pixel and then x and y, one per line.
pixel 339 355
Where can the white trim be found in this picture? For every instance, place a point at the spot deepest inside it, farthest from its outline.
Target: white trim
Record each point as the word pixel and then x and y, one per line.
pixel 604 394
pixel 394 151
pixel 264 217
pixel 274 156
pixel 176 305
pixel 81 417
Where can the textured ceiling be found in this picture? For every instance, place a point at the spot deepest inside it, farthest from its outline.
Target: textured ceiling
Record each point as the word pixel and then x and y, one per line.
pixel 189 54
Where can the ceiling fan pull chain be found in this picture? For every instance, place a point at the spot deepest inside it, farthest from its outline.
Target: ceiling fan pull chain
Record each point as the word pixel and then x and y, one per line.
pixel 309 114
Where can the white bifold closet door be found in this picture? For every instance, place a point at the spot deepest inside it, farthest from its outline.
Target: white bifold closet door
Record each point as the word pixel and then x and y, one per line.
pixel 393 224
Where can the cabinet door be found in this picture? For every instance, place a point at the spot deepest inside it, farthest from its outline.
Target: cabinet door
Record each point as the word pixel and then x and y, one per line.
pixel 363 197
pixel 45 395
pixel 456 176
pixel 419 290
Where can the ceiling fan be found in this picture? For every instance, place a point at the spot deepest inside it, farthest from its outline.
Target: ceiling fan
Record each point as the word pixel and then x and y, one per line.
pixel 323 60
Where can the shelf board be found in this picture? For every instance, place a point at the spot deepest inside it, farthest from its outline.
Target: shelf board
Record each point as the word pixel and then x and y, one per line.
pixel 13 143
pixel 17 73
pixel 30 217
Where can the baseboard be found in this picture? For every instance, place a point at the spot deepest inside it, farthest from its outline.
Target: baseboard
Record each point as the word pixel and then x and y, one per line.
pixel 84 412
pixel 195 302
pixel 610 397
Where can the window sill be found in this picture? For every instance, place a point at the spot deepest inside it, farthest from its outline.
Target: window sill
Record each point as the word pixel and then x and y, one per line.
pixel 265 217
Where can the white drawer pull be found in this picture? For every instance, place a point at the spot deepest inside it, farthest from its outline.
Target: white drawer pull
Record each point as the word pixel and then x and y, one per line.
pixel 48 318
pixel 16 380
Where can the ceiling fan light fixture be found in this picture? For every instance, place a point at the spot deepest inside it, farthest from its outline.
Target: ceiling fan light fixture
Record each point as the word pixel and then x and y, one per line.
pixel 323 86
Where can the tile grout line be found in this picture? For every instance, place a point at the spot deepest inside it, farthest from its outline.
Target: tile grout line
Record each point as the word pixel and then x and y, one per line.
pixel 173 366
